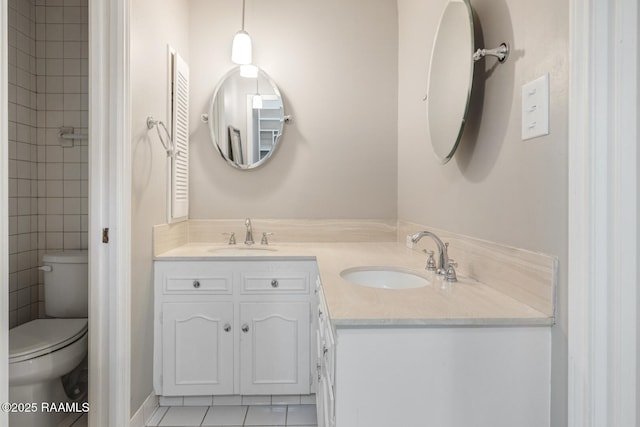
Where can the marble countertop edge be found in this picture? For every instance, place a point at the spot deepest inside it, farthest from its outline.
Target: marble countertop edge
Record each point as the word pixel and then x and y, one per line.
pixel 443 322
pixel 470 304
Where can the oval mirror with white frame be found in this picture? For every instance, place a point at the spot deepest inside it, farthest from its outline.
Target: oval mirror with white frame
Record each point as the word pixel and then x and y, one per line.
pixel 246 118
pixel 451 77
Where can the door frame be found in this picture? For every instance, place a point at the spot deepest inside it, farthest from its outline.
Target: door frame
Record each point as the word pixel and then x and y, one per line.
pixel 4 209
pixel 109 207
pixel 603 213
pixel 594 232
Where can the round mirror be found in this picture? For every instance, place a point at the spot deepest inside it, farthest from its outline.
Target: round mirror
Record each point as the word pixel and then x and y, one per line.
pixel 450 78
pixel 246 118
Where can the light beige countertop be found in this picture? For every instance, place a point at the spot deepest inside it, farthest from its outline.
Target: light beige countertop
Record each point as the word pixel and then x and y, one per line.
pixel 462 303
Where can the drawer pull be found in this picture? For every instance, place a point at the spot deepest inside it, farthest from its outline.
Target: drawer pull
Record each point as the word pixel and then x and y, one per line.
pixel 196 284
pixel 274 283
pixel 227 327
pixel 245 328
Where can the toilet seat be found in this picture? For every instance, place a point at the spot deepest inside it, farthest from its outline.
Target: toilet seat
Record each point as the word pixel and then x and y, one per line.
pixel 42 336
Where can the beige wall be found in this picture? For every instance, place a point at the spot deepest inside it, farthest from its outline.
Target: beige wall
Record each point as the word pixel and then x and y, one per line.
pixel 154 24
pixel 353 75
pixel 497 187
pixel 336 67
pixel 335 63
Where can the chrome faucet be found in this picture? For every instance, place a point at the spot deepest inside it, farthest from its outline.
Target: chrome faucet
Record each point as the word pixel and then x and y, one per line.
pixel 248 240
pixel 443 256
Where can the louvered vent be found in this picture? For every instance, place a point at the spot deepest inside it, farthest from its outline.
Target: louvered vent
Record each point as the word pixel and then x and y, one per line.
pixel 180 127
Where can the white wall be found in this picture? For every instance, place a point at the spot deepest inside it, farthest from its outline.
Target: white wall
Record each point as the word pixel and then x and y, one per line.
pixel 497 187
pixel 335 63
pixel 154 24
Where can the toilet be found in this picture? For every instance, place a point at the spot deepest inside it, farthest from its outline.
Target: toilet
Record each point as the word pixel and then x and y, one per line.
pixel 43 351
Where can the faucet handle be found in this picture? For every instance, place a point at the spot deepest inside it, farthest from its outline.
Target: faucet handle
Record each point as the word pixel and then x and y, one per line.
pixel 264 240
pixel 431 262
pixel 232 237
pixel 451 272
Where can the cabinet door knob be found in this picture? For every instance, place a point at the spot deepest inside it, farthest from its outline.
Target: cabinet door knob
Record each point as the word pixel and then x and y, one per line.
pixel 227 327
pixel 245 328
pixel 196 284
pixel 274 283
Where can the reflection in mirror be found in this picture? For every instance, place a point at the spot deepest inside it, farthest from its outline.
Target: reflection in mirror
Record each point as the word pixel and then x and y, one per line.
pixel 246 119
pixel 450 78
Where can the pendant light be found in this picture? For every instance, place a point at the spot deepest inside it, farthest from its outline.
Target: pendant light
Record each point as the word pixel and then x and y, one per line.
pixel 257 98
pixel 241 48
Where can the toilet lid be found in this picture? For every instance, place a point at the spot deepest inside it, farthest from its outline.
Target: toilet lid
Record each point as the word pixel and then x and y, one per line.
pixel 42 336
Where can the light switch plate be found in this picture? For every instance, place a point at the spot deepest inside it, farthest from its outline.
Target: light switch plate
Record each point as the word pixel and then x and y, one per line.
pixel 535 108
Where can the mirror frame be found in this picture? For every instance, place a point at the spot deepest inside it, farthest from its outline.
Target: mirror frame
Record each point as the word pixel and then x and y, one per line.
pixel 211 120
pixel 445 159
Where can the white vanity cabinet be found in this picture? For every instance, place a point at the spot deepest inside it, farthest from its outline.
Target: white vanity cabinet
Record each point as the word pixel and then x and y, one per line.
pixel 431 375
pixel 227 327
pixel 197 347
pixel 274 348
pixel 325 362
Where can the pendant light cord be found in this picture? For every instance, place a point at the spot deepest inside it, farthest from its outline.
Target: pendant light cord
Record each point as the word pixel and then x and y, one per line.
pixel 243 1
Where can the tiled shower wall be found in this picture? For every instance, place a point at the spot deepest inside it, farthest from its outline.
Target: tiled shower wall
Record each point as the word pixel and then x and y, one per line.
pixel 48 185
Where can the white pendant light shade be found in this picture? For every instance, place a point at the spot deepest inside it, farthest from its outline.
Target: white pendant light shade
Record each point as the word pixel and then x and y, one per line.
pixel 249 71
pixel 241 48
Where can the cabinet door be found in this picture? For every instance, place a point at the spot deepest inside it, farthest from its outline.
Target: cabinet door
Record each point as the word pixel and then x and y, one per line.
pixel 274 348
pixel 197 348
pixel 325 402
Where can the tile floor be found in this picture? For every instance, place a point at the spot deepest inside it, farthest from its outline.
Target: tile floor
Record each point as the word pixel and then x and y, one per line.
pixel 75 420
pixel 235 416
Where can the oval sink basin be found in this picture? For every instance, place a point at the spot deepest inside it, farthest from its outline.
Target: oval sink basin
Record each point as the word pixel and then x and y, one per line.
pixel 243 250
pixel 384 277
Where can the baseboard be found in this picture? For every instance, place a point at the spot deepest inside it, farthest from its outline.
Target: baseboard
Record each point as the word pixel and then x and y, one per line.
pixel 145 411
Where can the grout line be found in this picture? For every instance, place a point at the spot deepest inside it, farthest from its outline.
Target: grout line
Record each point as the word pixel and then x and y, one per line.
pixel 286 415
pixel 205 414
pixel 164 415
pixel 246 414
pixel 244 421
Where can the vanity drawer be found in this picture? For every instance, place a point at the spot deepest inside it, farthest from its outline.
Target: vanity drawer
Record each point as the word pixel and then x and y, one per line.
pixel 194 277
pixel 264 283
pixel 212 285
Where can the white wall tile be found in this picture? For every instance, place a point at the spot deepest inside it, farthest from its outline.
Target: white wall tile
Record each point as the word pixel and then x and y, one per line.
pixel 170 400
pixel 54 171
pixel 72 171
pixel 72 223
pixel 72 241
pixel 54 240
pixel 55 223
pixel 198 401
pixel 227 400
pixel 38 93
pixel 54 15
pixel 54 32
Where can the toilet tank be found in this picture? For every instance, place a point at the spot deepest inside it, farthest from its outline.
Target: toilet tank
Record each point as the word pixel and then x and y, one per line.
pixel 66 283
